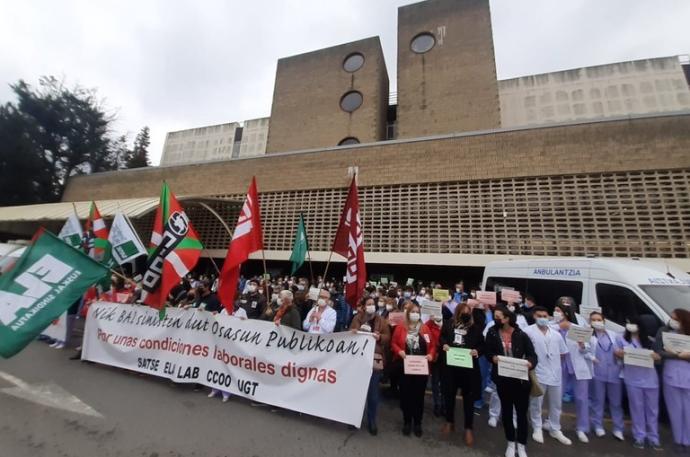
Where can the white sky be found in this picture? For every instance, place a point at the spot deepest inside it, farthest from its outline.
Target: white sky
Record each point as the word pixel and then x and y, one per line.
pixel 175 64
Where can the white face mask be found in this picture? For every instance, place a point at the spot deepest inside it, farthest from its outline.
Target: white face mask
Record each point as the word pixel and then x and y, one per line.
pixel 414 317
pixel 598 325
pixel 473 295
pixel 674 324
pixel 300 286
pixel 252 288
pixel 632 328
pixel 370 309
pixel 321 302
pixel 389 307
pixel 511 308
pixel 557 317
pixel 381 304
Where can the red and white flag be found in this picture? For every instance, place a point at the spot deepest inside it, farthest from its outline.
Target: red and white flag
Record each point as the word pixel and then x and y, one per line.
pixel 248 238
pixel 349 243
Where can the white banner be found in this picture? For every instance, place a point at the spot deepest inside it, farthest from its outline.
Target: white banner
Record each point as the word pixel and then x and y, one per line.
pixel 57 329
pixel 322 375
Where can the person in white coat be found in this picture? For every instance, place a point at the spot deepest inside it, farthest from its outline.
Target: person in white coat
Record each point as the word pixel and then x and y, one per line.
pixel 550 349
pixel 577 366
pixel 322 317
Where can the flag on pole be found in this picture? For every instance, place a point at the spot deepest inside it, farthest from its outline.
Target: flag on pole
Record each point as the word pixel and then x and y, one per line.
pixel 349 243
pixel 48 278
pixel 124 239
pixel 174 250
pixel 71 232
pixel 300 247
pixel 247 238
pixel 96 237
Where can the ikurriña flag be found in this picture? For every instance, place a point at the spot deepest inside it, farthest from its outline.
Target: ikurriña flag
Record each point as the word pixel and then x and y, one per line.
pixel 174 250
pixel 349 243
pixel 247 238
pixel 96 242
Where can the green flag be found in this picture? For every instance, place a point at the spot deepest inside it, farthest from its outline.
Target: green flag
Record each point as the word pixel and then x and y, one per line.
pixel 48 278
pixel 301 246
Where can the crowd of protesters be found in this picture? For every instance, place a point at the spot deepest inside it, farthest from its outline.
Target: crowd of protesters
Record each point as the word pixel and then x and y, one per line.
pixel 591 373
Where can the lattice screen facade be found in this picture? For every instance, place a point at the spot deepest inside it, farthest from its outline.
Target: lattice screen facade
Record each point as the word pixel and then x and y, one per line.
pixel 645 214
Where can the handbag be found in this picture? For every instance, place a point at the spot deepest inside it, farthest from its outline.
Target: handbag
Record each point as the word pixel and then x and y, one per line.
pixel 535 391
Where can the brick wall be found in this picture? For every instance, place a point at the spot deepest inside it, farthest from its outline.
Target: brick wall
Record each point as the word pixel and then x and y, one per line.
pixel 306 100
pixel 618 145
pixel 452 87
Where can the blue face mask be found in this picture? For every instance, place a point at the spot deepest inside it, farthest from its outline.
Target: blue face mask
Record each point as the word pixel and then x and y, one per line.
pixel 542 321
pixel 407 294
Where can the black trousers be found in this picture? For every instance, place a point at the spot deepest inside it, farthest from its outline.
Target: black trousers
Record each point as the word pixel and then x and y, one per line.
pixel 514 393
pixel 412 388
pixel 452 379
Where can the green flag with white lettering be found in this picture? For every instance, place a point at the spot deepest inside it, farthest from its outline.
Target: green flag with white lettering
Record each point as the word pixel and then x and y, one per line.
pixel 301 246
pixel 48 278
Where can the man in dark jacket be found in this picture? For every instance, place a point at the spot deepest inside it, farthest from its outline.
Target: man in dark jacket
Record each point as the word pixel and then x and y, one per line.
pixel 253 303
pixel 287 314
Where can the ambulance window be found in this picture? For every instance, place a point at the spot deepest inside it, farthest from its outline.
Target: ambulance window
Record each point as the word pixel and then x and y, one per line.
pixel 547 291
pixel 497 283
pixel 618 303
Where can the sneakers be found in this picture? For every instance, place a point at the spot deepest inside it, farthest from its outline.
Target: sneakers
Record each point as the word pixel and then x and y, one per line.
pixel 656 446
pixel 226 399
pixel 60 345
pixel 493 422
pixel 638 444
pixel 618 435
pixel 546 425
pixel 510 450
pixel 212 394
pixel 582 436
pixel 538 436
pixel 53 345
pixel 522 451
pixel 601 432
pixel 560 437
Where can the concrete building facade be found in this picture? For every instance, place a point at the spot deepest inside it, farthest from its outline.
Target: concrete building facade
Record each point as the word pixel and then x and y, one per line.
pixel 201 144
pixel 626 88
pixel 254 138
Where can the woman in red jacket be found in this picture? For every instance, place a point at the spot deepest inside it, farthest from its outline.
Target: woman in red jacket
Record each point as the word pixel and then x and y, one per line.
pixel 412 338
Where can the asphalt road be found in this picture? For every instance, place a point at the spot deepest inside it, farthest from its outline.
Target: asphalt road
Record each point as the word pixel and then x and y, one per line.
pixel 150 417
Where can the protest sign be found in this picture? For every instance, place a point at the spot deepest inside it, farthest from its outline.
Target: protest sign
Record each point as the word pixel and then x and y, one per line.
pixel 511 367
pixel 459 357
pixel 675 342
pixel 488 298
pixel 313 293
pixel 410 282
pixel 638 357
pixel 57 329
pixel 586 310
pixel 322 375
pixel 440 295
pixel 579 334
pixel 416 365
pixel 397 318
pixel 429 308
pixel 510 296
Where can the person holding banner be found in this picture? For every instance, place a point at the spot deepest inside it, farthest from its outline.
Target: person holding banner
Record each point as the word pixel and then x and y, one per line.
pixel 576 367
pixel 641 383
pixel 253 302
pixel 550 349
pixel 367 320
pixel 676 376
pixel 412 339
pixel 506 339
pixel 606 383
pixel 287 313
pixel 321 318
pixel 461 335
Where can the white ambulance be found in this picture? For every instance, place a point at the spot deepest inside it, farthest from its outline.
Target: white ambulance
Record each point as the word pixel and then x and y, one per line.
pixel 621 287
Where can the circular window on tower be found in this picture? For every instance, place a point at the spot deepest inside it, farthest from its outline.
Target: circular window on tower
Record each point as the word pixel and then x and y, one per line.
pixel 422 43
pixel 353 62
pixel 347 141
pixel 351 101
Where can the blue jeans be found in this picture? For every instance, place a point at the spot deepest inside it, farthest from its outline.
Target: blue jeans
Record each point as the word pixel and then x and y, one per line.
pixel 373 397
pixel 435 378
pixel 485 369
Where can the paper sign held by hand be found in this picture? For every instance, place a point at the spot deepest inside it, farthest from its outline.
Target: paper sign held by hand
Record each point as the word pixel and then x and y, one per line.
pixel 675 342
pixel 488 298
pixel 313 293
pixel 510 296
pixel 511 367
pixel 459 357
pixel 396 318
pixel 579 334
pixel 416 365
pixel 440 295
pixel 638 357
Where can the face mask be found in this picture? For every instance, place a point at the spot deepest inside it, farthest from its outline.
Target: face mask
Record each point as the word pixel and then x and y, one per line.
pixel 300 286
pixel 370 309
pixel 389 307
pixel 632 328
pixel 422 292
pixel 457 289
pixel 674 324
pixel 274 297
pixel 407 294
pixel 473 295
pixel 557 317
pixel 511 308
pixel 252 288
pixel 381 304
pixel 465 318
pixel 542 321
pixel 321 302
pixel 598 325
pixel 414 317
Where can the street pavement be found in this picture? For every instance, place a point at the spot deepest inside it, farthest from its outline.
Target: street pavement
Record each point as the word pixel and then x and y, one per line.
pixel 97 411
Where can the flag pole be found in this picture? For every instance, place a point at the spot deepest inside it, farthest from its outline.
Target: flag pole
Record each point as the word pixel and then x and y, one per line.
pixel 327 265
pixel 306 238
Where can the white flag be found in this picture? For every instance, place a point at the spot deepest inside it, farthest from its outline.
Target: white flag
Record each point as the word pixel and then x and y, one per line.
pixel 71 232
pixel 124 240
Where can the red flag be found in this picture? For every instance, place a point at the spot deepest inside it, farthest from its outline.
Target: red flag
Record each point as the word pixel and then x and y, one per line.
pixel 349 243
pixel 248 238
pixel 174 250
